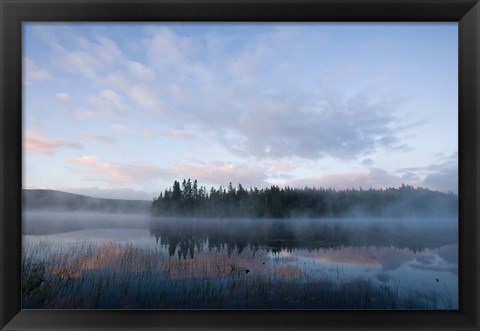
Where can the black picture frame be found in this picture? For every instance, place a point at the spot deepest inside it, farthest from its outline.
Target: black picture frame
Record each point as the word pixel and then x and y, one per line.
pixel 14 12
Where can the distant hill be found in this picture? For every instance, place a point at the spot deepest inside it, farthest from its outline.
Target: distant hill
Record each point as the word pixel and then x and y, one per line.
pixel 50 200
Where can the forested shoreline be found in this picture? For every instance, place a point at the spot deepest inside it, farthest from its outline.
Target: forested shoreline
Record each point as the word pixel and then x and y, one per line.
pixel 189 199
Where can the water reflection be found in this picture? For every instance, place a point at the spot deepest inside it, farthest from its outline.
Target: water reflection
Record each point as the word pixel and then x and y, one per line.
pixel 430 268
pixel 185 236
pixel 172 257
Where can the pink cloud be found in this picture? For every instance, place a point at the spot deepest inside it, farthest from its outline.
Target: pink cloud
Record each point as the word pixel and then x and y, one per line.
pixel 86 160
pixel 119 173
pixel 387 258
pixel 41 144
pixel 283 166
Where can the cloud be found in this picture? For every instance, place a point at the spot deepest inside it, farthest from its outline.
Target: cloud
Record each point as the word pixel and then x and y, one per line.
pixel 410 176
pixel 33 72
pixel 85 160
pixel 147 97
pixel 41 144
pixel 118 80
pixel 385 258
pixel 105 103
pixel 147 132
pixel 252 107
pixel 177 133
pixel 222 173
pixel 116 173
pixel 368 162
pixel 169 52
pixel 282 121
pixel 434 262
pixel 96 137
pixel 86 63
pixel 140 71
pixel 113 97
pixel 284 166
pixel 82 113
pixel 63 97
pixel 108 103
pixel 373 178
pixel 119 127
pixel 445 179
pixel 91 58
pixel 243 66
pixel 440 176
pixel 207 173
pixel 256 108
pixel 276 128
pixel 144 132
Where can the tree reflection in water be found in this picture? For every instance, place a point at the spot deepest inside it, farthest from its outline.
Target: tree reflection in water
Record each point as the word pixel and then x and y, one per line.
pixel 184 236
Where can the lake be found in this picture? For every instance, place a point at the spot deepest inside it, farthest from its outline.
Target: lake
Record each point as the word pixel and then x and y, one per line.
pixel 114 261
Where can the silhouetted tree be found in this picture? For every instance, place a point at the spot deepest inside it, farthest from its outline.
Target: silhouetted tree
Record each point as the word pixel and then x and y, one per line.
pixel 276 202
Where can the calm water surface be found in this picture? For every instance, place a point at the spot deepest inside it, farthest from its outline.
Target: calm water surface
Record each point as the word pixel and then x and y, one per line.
pixel 412 256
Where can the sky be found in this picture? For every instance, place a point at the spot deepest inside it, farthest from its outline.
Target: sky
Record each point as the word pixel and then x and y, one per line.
pixel 121 110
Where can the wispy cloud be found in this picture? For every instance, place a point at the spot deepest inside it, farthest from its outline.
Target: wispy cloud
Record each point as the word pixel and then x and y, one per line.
pixel 146 97
pixel 85 160
pixel 141 71
pixel 96 137
pixel 63 97
pixel 284 120
pixel 32 71
pixel 178 133
pixel 38 143
pixel 117 127
pixel 116 173
pixel 282 96
pixel 90 58
pixel 147 132
pixel 108 103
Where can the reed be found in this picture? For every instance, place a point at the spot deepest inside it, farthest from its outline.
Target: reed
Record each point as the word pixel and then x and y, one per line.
pixel 115 276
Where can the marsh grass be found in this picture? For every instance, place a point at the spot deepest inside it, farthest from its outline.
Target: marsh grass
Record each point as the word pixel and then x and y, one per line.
pixel 114 276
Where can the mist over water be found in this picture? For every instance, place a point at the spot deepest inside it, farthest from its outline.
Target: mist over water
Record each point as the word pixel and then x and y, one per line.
pixel 415 255
pixel 51 222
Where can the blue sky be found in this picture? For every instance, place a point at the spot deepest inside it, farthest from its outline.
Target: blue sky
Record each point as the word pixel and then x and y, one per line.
pixel 122 110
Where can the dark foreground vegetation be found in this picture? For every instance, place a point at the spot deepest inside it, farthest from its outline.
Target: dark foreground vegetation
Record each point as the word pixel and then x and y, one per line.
pixel 190 199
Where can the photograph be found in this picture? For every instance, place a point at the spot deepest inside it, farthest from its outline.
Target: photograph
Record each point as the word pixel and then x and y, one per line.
pixel 240 165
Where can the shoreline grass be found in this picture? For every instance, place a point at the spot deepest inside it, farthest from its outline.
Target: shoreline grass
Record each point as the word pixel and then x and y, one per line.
pixel 86 275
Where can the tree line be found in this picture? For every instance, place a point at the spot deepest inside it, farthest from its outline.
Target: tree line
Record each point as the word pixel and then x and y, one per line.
pixel 189 199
